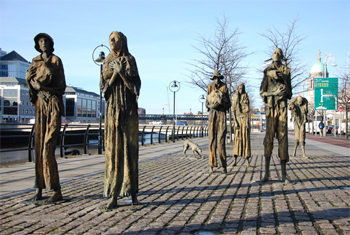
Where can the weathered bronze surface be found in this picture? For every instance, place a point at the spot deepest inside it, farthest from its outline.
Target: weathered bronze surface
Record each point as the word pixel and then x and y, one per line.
pixel 46 82
pixel 299 109
pixel 195 148
pixel 218 102
pixel 120 83
pixel 240 108
pixel 275 89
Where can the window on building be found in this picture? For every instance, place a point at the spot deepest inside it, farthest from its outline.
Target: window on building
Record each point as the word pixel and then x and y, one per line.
pixel 10 110
pixel 89 108
pixel 10 102
pixel 84 108
pixel 10 93
pixel 4 70
pixel 94 108
pixel 79 108
pixel 70 105
pixel 22 71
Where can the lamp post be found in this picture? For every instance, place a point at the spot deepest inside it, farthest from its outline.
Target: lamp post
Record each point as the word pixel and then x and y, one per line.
pixel 174 86
pixel 201 99
pixel 99 62
pixel 328 58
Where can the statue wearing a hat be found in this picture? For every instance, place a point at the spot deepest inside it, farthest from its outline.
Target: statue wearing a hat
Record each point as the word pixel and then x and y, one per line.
pixel 47 84
pixel 218 103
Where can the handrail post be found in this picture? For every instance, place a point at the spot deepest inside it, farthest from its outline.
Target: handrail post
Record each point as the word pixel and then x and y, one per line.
pixel 166 134
pixel 30 144
pixel 182 133
pixel 191 132
pixel 152 135
pixel 86 139
pixel 187 132
pixel 160 131
pixel 103 138
pixel 177 137
pixel 62 141
pixel 142 136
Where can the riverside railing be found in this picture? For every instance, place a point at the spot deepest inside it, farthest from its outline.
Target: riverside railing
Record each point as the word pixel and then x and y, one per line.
pixel 84 133
pixel 156 134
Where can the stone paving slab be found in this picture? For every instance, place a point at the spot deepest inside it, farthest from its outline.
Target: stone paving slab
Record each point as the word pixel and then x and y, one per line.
pixel 179 196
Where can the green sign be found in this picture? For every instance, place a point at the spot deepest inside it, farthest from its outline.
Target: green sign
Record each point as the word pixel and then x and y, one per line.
pixel 326 93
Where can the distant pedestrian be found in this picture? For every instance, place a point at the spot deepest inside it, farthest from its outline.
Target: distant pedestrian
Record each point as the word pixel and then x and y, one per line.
pixel 47 84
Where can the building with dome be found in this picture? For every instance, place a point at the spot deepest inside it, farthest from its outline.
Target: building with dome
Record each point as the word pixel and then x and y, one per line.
pixel 317 71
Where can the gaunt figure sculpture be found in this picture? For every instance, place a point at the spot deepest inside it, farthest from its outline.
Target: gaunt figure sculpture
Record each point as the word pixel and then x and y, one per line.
pixel 47 84
pixel 240 108
pixel 120 83
pixel 299 108
pixel 218 103
pixel 275 90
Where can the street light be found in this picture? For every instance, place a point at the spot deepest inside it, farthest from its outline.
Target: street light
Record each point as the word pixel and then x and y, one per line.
pixel 174 86
pixel 99 62
pixel 201 99
pixel 328 58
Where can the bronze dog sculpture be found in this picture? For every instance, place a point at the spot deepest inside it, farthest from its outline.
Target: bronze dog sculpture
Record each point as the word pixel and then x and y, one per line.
pixel 195 148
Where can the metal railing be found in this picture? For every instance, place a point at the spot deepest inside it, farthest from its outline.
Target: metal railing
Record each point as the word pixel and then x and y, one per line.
pixel 152 134
pixel 147 135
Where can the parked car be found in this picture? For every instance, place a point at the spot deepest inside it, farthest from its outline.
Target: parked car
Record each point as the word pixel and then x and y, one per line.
pixel 182 123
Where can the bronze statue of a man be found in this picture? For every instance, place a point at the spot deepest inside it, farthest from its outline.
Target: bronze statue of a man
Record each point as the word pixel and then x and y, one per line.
pixel 120 83
pixel 47 84
pixel 299 109
pixel 240 108
pixel 275 90
pixel 218 102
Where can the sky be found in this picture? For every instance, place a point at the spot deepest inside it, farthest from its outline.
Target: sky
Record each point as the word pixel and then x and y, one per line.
pixel 162 35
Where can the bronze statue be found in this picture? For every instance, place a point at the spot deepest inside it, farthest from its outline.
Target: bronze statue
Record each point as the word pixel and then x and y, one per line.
pixel 120 83
pixel 299 109
pixel 240 108
pixel 47 84
pixel 275 89
pixel 195 148
pixel 218 102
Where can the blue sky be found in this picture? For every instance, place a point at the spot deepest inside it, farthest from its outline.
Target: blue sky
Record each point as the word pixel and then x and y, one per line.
pixel 161 36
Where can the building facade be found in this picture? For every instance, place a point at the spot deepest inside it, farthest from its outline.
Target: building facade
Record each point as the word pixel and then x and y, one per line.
pixel 14 93
pixel 83 106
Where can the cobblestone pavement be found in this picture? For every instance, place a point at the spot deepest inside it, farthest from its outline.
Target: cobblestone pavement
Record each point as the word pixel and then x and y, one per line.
pixel 179 196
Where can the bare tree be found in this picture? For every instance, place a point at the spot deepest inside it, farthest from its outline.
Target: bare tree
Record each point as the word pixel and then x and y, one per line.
pixel 344 96
pixel 289 42
pixel 221 52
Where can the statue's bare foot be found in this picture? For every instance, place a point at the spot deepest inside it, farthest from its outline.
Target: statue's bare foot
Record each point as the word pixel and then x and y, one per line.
pixel 134 200
pixel 286 181
pixel 211 169
pixel 38 196
pixel 265 179
pixel 112 203
pixel 57 196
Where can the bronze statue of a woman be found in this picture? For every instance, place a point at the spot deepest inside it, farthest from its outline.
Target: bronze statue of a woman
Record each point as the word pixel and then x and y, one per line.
pixel 120 83
pixel 240 108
